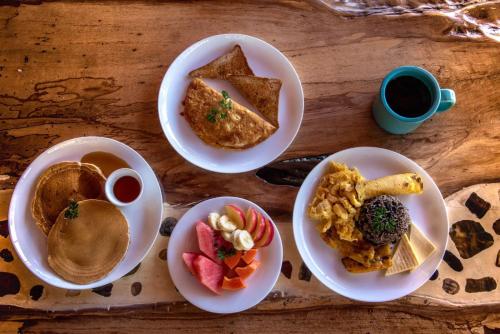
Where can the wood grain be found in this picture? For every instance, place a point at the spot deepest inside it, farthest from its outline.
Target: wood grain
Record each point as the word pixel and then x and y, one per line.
pixel 71 69
pixel 292 317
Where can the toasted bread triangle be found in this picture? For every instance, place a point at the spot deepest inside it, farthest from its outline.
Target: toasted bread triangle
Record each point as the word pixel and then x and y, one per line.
pixel 238 128
pixel 233 62
pixel 262 93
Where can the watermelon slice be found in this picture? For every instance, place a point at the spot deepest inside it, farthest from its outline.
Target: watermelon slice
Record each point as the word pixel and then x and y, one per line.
pixel 209 273
pixel 208 240
pixel 189 258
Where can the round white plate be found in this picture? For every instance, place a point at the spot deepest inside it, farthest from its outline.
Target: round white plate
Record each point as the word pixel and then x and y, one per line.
pixel 266 61
pixel 144 216
pixel 183 239
pixel 428 212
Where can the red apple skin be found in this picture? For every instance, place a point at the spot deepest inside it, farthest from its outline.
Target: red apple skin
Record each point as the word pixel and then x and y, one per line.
pixel 260 229
pixel 270 237
pixel 267 237
pixel 251 220
pixel 239 217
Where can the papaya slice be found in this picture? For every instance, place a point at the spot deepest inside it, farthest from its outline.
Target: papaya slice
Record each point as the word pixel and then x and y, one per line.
pixel 235 283
pixel 245 272
pixel 232 261
pixel 249 255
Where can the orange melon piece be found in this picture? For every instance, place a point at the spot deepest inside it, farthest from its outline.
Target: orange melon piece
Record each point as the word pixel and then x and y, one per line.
pixel 235 283
pixel 232 261
pixel 245 272
pixel 249 255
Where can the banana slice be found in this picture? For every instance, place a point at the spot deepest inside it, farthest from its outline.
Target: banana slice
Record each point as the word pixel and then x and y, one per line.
pixel 224 224
pixel 242 240
pixel 213 217
pixel 228 236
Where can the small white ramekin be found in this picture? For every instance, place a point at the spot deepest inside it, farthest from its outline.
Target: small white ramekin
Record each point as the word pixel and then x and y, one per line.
pixel 110 183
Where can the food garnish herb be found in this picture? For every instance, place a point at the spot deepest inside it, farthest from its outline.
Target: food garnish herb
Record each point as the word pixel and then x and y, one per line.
pixel 212 115
pixel 72 210
pixel 225 104
pixel 222 253
pixel 381 223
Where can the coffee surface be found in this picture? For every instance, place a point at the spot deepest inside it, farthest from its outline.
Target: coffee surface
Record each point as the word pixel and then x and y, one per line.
pixel 408 96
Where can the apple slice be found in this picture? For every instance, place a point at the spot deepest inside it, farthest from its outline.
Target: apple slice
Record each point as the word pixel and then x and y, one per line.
pixel 236 215
pixel 267 237
pixel 251 220
pixel 258 233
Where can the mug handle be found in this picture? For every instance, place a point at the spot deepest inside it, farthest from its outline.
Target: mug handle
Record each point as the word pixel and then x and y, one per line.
pixel 448 99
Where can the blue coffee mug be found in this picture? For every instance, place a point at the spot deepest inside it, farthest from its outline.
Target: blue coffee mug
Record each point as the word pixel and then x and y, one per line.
pixel 390 121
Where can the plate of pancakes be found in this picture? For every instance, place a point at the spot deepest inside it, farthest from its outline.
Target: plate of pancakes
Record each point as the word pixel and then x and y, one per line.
pixel 63 227
pixel 231 103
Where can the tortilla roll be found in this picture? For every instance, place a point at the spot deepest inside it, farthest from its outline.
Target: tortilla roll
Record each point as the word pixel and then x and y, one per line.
pixel 399 184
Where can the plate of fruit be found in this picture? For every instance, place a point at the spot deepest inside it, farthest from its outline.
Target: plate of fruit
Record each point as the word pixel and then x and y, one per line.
pixel 225 255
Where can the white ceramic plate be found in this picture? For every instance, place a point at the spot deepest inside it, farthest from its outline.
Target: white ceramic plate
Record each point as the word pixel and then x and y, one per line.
pixel 266 61
pixel 183 239
pixel 428 212
pixel 144 216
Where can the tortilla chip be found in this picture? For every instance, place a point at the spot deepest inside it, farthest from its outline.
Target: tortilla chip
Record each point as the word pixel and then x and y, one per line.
pixel 262 93
pixel 236 128
pixel 232 63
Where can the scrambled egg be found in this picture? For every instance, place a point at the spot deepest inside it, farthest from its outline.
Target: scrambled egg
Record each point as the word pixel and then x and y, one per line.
pixel 336 205
pixel 336 202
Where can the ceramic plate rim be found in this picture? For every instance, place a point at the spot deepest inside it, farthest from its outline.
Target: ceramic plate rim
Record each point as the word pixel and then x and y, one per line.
pixel 11 222
pixel 171 254
pixel 299 238
pixel 163 112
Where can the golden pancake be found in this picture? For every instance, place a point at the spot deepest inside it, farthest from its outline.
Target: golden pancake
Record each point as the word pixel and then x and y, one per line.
pixel 262 93
pixel 233 62
pixel 87 248
pixel 236 128
pixel 61 183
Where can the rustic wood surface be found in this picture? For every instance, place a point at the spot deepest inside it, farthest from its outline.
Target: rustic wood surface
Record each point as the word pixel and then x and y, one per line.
pixel 70 69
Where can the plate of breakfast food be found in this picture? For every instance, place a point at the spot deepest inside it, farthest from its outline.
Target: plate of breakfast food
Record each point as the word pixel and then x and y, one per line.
pixel 225 254
pixel 85 213
pixel 370 224
pixel 231 103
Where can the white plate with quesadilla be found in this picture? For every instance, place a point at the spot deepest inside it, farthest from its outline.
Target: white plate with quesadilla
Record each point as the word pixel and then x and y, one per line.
pixel 211 123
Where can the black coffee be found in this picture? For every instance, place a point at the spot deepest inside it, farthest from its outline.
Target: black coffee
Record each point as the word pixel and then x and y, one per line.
pixel 408 96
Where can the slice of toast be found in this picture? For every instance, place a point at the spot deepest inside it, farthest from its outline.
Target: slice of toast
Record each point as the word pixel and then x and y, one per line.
pixel 262 93
pixel 237 128
pixel 233 62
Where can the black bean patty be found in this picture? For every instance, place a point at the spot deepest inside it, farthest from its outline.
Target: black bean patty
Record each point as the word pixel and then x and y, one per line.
pixel 383 220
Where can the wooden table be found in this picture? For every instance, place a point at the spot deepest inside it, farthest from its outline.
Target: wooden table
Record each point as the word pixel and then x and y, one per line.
pixel 71 69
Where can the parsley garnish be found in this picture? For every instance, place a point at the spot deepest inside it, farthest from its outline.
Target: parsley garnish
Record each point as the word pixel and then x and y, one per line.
pixel 72 210
pixel 222 253
pixel 381 223
pixel 212 115
pixel 225 104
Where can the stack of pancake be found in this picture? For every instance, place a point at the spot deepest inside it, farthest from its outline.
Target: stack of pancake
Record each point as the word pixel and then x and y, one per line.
pixel 85 244
pixel 239 128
